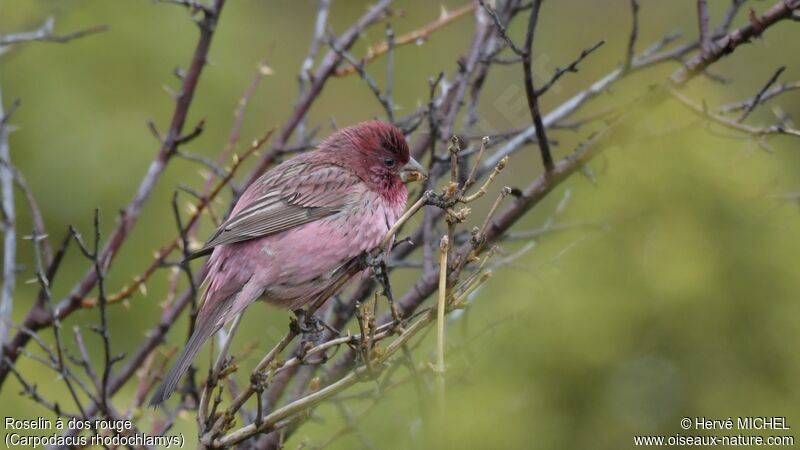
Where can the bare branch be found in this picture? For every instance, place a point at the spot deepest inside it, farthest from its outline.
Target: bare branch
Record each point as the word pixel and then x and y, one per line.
pixel 730 15
pixel 647 59
pixel 45 34
pixel 9 228
pixel 736 125
pixel 501 29
pixel 725 44
pixel 324 71
pixel 702 19
pixel 384 100
pixel 766 95
pixel 131 213
pixel 304 79
pixel 202 205
pixel 413 37
pixel 390 44
pixel 571 68
pixel 760 95
pixel 629 55
pixel 530 90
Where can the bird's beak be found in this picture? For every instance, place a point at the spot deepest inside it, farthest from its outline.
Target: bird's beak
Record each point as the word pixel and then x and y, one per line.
pixel 412 171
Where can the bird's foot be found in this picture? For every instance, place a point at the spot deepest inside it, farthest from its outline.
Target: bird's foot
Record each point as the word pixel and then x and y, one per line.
pixel 442 201
pixel 309 326
pixel 381 274
pixel 377 263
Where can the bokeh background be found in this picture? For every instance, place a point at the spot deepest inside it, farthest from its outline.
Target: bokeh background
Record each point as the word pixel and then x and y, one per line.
pixel 679 296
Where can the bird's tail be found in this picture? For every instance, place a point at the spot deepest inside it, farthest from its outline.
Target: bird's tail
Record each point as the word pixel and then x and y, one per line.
pixel 213 314
pixel 204 330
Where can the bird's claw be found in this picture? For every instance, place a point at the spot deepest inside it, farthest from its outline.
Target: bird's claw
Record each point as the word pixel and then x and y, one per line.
pixel 310 326
pixel 377 263
pixel 381 274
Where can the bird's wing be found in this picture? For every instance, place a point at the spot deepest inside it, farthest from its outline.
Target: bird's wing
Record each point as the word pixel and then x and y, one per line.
pixel 282 199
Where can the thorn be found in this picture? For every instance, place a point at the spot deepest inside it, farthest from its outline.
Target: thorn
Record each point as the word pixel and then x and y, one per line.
pixel 179 72
pixel 589 174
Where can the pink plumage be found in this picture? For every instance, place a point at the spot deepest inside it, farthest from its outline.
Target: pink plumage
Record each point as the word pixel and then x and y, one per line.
pixel 294 229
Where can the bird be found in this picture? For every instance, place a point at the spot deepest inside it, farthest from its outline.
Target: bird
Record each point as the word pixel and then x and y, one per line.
pixel 298 229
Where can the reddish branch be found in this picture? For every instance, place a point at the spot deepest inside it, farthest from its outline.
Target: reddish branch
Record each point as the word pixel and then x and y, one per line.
pixel 412 37
pixel 727 43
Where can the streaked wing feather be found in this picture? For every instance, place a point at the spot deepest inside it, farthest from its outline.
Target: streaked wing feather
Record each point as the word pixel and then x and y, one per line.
pixel 310 193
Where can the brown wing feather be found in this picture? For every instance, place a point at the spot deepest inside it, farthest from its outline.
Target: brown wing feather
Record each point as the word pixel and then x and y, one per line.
pixel 284 198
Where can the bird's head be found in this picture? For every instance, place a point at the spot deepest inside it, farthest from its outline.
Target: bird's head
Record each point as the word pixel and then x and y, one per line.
pixel 377 152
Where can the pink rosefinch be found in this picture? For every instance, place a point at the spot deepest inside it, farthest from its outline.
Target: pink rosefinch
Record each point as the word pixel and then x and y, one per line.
pixel 295 230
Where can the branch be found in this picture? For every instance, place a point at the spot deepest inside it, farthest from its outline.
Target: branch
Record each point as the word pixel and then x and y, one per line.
pixel 384 100
pixel 650 57
pixel 35 319
pixel 630 54
pixel 197 209
pixel 275 419
pixel 412 37
pixel 325 70
pixel 736 125
pixel 730 15
pixel 501 29
pixel 766 95
pixel 530 91
pixel 727 43
pixel 45 34
pixel 9 229
pixel 571 68
pixel 304 79
pixel 760 95
pixel 702 19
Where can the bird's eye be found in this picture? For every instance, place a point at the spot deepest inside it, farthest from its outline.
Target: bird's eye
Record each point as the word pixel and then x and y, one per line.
pixel 389 162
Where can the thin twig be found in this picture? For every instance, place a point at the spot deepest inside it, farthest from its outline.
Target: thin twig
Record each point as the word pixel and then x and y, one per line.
pixel 502 29
pixel 412 37
pixel 305 77
pixel 767 95
pixel 634 35
pixel 571 68
pixel 755 132
pixel 384 100
pixel 760 95
pixel 45 34
pixel 702 19
pixel 530 90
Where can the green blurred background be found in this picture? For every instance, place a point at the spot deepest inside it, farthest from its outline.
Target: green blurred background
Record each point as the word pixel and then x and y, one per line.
pixel 684 303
